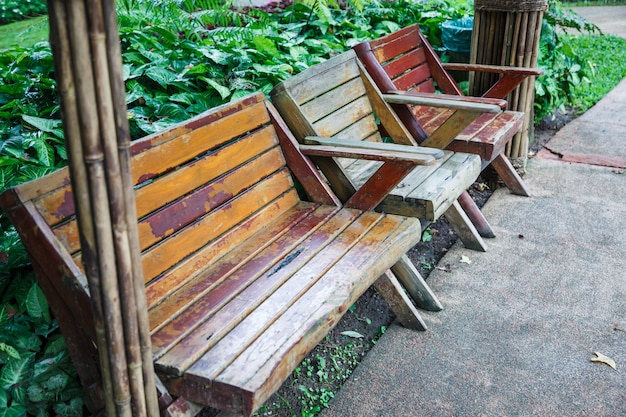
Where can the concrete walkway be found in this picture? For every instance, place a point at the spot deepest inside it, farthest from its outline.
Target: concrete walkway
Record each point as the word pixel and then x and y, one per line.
pixel 523 320
pixel 610 19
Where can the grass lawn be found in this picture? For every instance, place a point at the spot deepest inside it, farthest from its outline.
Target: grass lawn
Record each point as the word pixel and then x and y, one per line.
pixel 607 55
pixel 24 33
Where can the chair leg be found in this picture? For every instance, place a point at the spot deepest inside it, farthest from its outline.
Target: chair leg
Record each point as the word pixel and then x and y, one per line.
pixel 464 228
pixel 415 285
pixel 509 175
pixel 476 216
pixel 391 290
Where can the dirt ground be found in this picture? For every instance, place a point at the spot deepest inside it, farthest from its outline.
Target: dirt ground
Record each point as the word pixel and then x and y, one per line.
pixel 321 374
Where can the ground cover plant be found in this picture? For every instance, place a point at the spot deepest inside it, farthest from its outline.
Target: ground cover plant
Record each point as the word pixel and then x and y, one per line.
pixel 180 58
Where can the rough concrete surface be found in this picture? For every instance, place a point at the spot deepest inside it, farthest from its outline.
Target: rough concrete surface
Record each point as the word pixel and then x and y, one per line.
pixel 522 321
pixel 611 19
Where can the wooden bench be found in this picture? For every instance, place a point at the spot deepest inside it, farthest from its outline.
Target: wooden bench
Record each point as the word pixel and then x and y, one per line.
pixel 243 277
pixel 338 99
pixel 405 63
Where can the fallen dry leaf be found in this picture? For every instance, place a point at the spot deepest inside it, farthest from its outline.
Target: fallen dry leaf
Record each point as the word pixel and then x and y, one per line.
pixel 603 359
pixel 353 334
pixel 445 268
pixel 465 260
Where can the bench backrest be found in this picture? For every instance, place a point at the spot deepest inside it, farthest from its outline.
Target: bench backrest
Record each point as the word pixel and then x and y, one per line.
pixel 337 98
pixel 408 61
pixel 224 169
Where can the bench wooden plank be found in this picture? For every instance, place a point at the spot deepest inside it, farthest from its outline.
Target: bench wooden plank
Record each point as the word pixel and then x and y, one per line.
pixel 274 274
pixel 228 248
pixel 225 277
pixel 280 346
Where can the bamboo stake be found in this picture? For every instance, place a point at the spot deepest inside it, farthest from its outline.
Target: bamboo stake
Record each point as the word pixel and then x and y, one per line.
pixel 108 143
pixel 123 143
pixel 100 169
pixel 93 158
pixel 60 44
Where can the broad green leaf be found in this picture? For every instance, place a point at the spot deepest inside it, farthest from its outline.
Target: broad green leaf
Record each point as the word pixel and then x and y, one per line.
pixel 173 111
pixel 12 147
pixel 46 125
pixel 265 45
pixel 3 400
pixel 161 75
pixel 45 152
pixel 224 92
pixel 36 303
pixel 10 351
pixel 16 371
pixel 72 409
pixel 16 410
pixel 216 55
pixel 185 98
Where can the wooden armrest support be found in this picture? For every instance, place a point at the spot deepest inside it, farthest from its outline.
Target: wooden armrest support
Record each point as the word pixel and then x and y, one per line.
pixel 367 154
pixel 375 146
pixel 445 101
pixel 492 68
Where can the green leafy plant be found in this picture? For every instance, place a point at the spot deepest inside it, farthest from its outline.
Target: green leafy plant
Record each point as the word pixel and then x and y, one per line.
pixel 36 373
pixel 565 69
pixel 14 10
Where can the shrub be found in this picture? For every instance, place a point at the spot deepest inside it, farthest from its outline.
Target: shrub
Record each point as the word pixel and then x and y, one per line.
pixel 14 10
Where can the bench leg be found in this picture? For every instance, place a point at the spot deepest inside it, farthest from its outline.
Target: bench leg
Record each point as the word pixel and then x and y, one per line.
pixel 391 290
pixel 464 228
pixel 476 216
pixel 509 175
pixel 415 285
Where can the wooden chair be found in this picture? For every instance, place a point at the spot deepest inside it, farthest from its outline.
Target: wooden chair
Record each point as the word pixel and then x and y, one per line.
pixel 336 102
pixel 242 276
pixel 404 64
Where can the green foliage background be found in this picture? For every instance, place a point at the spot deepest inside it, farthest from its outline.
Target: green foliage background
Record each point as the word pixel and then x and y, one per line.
pixel 182 57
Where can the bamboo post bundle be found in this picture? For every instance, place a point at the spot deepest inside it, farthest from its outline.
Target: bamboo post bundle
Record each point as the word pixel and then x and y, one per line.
pixel 89 74
pixel 506 33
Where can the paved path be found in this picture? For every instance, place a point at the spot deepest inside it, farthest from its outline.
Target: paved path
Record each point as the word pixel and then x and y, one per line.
pixel 611 19
pixel 523 320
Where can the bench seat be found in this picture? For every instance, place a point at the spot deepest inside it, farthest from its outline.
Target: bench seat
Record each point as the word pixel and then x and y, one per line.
pixel 243 276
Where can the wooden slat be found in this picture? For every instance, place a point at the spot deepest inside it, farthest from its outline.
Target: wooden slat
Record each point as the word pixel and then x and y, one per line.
pixel 286 339
pixel 180 182
pixel 395 44
pixel 201 171
pixel 344 117
pixel 340 96
pixel 417 80
pixel 187 270
pixel 178 246
pixel 156 160
pixel 237 341
pixel 302 90
pixel 223 277
pixel 426 199
pixel 404 63
pixel 252 284
pixel 187 209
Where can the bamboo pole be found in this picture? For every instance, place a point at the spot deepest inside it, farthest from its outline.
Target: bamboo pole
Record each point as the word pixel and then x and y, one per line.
pixel 60 43
pixel 506 32
pixel 88 60
pixel 123 144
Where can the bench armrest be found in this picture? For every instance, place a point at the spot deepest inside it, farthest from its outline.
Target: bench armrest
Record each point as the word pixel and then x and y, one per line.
pixel 492 69
pixel 447 101
pixel 510 77
pixel 376 151
pixel 397 164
